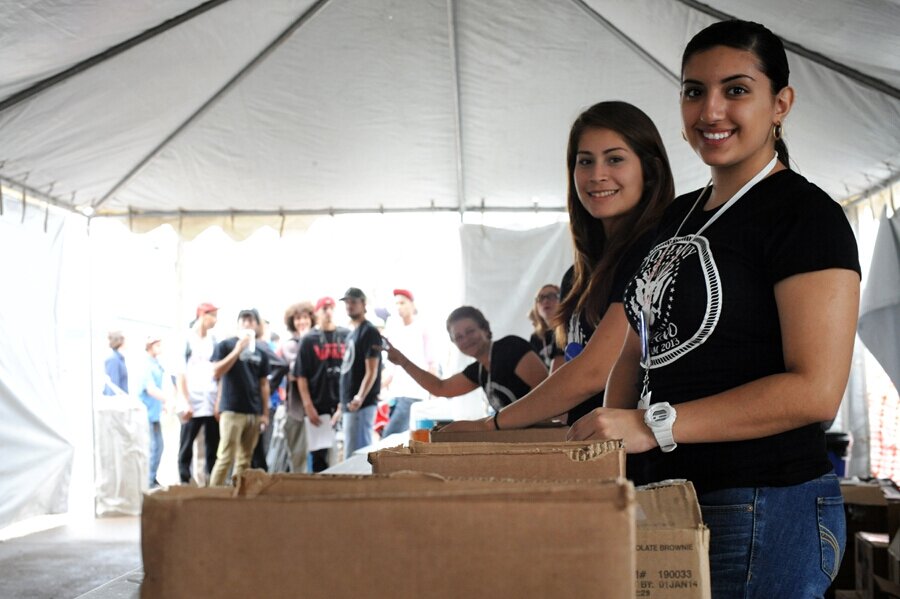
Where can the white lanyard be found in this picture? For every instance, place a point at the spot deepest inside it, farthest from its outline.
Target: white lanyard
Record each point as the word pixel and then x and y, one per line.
pixel 732 201
pixel 646 315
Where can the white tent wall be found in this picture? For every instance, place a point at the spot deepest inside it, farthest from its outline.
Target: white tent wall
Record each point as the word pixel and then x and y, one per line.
pixel 45 416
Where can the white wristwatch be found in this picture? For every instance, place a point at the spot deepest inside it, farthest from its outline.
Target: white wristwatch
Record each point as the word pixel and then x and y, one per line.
pixel 660 417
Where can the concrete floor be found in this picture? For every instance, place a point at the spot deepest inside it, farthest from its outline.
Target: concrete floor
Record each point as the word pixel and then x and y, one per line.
pixel 95 558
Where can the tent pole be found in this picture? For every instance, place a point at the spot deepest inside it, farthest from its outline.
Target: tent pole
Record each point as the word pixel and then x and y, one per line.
pixel 92 61
pixel 858 76
pixel 453 40
pixel 248 68
pixel 628 41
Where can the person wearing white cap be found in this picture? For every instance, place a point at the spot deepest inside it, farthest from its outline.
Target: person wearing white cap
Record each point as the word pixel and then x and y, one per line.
pixel 151 394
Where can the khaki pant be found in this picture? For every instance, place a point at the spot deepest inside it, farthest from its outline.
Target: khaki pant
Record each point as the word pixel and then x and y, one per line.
pixel 238 434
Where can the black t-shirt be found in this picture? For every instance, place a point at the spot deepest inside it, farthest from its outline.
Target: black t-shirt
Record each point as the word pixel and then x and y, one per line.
pixel 501 385
pixel 580 330
pixel 716 325
pixel 319 362
pixel 546 348
pixel 360 345
pixel 240 385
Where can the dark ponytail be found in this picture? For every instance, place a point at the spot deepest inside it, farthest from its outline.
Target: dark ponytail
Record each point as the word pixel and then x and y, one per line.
pixel 754 38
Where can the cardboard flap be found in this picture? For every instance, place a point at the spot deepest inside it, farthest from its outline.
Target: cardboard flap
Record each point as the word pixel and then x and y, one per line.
pixel 293 488
pixel 868 493
pixel 894 547
pixel 669 504
pixel 579 451
pixel 259 485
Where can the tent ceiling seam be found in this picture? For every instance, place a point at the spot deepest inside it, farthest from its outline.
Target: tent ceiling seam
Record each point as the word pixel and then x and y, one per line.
pixel 818 58
pixel 111 52
pixel 457 101
pixel 649 58
pixel 282 37
pixel 175 214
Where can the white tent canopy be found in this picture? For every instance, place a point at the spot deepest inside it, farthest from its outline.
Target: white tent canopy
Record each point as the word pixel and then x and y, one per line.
pixel 177 107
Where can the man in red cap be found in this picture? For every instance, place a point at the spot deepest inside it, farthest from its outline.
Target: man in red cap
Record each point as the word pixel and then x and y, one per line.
pixel 197 393
pixel 409 336
pixel 317 371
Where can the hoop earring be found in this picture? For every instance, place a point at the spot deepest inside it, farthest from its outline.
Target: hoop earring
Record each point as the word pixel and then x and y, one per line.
pixel 777 131
pixel 683 135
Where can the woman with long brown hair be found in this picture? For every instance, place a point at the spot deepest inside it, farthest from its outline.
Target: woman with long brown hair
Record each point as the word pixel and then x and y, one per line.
pixel 619 185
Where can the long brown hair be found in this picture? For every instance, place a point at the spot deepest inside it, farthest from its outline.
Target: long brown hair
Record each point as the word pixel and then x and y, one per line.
pixel 596 256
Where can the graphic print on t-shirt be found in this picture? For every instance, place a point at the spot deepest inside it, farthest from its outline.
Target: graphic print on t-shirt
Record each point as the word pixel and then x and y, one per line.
pixel 349 356
pixel 498 395
pixel 675 332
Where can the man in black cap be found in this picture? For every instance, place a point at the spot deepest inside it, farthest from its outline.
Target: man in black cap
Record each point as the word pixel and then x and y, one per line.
pixel 242 407
pixel 360 374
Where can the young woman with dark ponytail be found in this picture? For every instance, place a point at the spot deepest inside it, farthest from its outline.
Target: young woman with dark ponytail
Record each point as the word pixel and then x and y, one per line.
pixel 742 325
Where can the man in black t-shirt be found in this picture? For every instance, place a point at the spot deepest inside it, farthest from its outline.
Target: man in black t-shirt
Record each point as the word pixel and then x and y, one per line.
pixel 360 374
pixel 242 407
pixel 318 370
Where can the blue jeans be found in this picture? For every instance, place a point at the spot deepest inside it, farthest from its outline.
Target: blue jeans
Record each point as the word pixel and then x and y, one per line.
pixel 775 541
pixel 156 449
pixel 358 428
pixel 399 421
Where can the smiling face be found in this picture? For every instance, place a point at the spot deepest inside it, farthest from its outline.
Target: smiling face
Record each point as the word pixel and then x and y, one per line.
pixel 468 337
pixel 608 176
pixel 302 322
pixel 729 110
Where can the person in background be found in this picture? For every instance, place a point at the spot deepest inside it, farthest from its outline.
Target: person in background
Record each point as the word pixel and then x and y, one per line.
pixel 546 304
pixel 197 388
pixel 300 318
pixel 506 369
pixel 114 366
pixel 410 336
pixel 620 184
pixel 266 340
pixel 360 374
pixel 242 406
pixel 743 319
pixel 153 397
pixel 317 370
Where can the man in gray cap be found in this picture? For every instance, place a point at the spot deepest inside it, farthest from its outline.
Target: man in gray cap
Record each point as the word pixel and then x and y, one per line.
pixel 360 374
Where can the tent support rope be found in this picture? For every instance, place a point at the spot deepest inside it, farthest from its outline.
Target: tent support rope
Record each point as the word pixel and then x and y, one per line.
pixel 282 37
pixel 857 76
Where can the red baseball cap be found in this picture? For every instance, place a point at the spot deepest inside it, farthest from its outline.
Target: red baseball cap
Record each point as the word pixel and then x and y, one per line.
pixel 205 308
pixel 405 293
pixel 324 301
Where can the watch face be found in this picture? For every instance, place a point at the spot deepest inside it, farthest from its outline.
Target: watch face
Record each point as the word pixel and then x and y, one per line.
pixel 657 414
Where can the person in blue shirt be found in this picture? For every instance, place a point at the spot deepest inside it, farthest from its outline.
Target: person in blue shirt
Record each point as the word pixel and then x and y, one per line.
pixel 153 397
pixel 114 366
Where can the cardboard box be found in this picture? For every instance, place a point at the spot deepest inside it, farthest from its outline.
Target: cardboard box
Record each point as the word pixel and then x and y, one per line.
pixel 536 434
pixel 872 506
pixel 894 559
pixel 401 536
pixel 672 543
pixel 871 561
pixel 530 461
